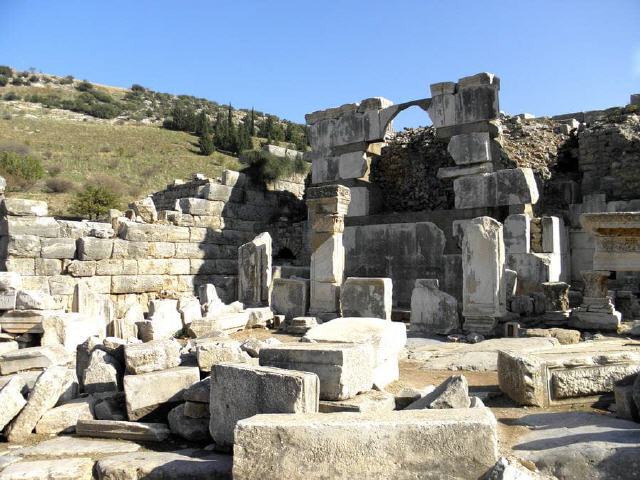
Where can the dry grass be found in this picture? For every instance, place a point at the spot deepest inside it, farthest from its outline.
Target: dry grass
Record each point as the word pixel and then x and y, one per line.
pixel 138 159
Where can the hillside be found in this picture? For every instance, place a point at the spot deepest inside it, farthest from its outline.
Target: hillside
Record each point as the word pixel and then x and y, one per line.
pixel 130 153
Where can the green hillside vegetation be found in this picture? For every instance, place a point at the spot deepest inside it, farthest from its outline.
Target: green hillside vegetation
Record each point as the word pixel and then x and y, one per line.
pixel 58 137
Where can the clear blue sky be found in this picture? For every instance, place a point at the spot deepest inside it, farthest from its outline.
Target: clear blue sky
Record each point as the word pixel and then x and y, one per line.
pixel 292 57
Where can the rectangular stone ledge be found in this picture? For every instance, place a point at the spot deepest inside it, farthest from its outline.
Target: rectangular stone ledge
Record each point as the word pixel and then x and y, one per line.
pixel 141 283
pixel 46 227
pixel 568 374
pixel 454 443
pixel 145 232
pixel 516 186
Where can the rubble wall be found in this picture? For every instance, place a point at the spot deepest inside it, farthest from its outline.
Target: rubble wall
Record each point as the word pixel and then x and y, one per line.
pixel 201 224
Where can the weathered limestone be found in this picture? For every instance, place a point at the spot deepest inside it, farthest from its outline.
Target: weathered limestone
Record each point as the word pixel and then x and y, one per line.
pixel 300 325
pixel 290 297
pixel 240 391
pixel 152 356
pixel 69 329
pixel 145 209
pixel 11 399
pixel 33 358
pixel 387 339
pixel 596 311
pixel 452 393
pixel 516 186
pixel 483 293
pixel 182 464
pixel 150 392
pixel 433 443
pixel 46 392
pixel 24 208
pixel 433 311
pixel 135 431
pixel 189 428
pixel 63 419
pixel 165 319
pixel 327 207
pixel 370 401
pixel 366 297
pixel 625 405
pixel 617 240
pixel 254 268
pixel 103 373
pixel 199 391
pixel 344 370
pixel 212 351
pixel 34 300
pixel 67 446
pixel 566 374
pixel 63 469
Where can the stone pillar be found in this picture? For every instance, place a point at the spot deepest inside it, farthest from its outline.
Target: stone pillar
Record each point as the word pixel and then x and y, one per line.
pixel 254 271
pixel 483 291
pixel 596 311
pixel 327 207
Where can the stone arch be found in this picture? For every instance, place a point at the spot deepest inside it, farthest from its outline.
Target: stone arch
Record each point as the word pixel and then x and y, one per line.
pixel 388 114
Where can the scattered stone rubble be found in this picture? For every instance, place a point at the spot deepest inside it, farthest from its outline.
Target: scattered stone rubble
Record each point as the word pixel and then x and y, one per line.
pixel 283 331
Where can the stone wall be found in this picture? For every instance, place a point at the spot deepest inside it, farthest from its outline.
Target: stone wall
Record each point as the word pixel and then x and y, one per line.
pixel 191 239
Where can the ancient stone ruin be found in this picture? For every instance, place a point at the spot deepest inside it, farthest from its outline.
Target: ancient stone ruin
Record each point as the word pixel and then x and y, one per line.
pixel 448 302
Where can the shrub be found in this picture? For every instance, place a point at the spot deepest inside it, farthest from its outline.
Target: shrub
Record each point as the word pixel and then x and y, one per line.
pixel 6 71
pixel 3 80
pixel 265 167
pixel 68 80
pixel 11 96
pixel 138 88
pixel 17 82
pixel 59 185
pixel 54 169
pixel 93 202
pixel 206 144
pixel 84 86
pixel 21 170
pixel 33 78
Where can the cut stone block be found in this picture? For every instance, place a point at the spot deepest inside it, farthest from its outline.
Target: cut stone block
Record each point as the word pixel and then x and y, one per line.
pixel 240 391
pixel 300 325
pixel 48 389
pixel 11 399
pixel 433 311
pixel 69 329
pixel 625 405
pixel 90 248
pixel 103 373
pixel 46 227
pixel 22 321
pixel 135 431
pixel 24 208
pixel 165 318
pixel 366 297
pixel 254 271
pixel 33 300
pixel 344 370
pixel 445 443
pixel 34 358
pixel 290 297
pixel 470 148
pixel 152 356
pixel 149 393
pixel 568 374
pixel 66 446
pixel 253 345
pixel 452 393
pixel 182 464
pixel 192 429
pixel 197 410
pixel 371 401
pixel 63 419
pixel 210 352
pixel 145 209
pixel 64 469
pixel 515 186
pixel 387 338
pixel 517 234
pixel 199 391
pixel 60 248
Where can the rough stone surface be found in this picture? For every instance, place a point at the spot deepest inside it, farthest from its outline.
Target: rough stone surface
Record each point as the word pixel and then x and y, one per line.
pixel 189 428
pixel 179 465
pixel 66 446
pixel 432 444
pixel 152 356
pixel 344 370
pixel 135 431
pixel 63 419
pixel 199 391
pixel 103 374
pixel 50 386
pixel 210 352
pixel 366 297
pixel 387 339
pixel 11 399
pixel 452 393
pixel 371 401
pixel 254 269
pixel 149 392
pixel 65 469
pixel 240 391
pixel 433 311
pixel 290 297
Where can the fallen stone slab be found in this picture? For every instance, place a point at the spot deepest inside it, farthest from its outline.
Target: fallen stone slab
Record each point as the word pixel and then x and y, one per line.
pixel 22 321
pixel 253 345
pixel 300 325
pixel 135 431
pixel 366 297
pixel 179 465
pixel 34 358
pixel 11 399
pixel 240 391
pixel 344 369
pixel 6 460
pixel 580 445
pixel 408 395
pixel 10 346
pixel 455 444
pixel 69 329
pixel 482 356
pixel 65 469
pixel 371 401
pixel 196 410
pixel 67 446
pixel 212 351
pixel 63 419
pixel 155 392
pixel 192 429
pixel 103 374
pixel 199 391
pixel 567 374
pixel 452 393
pixel 48 389
pixel 152 356
pixel 387 338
